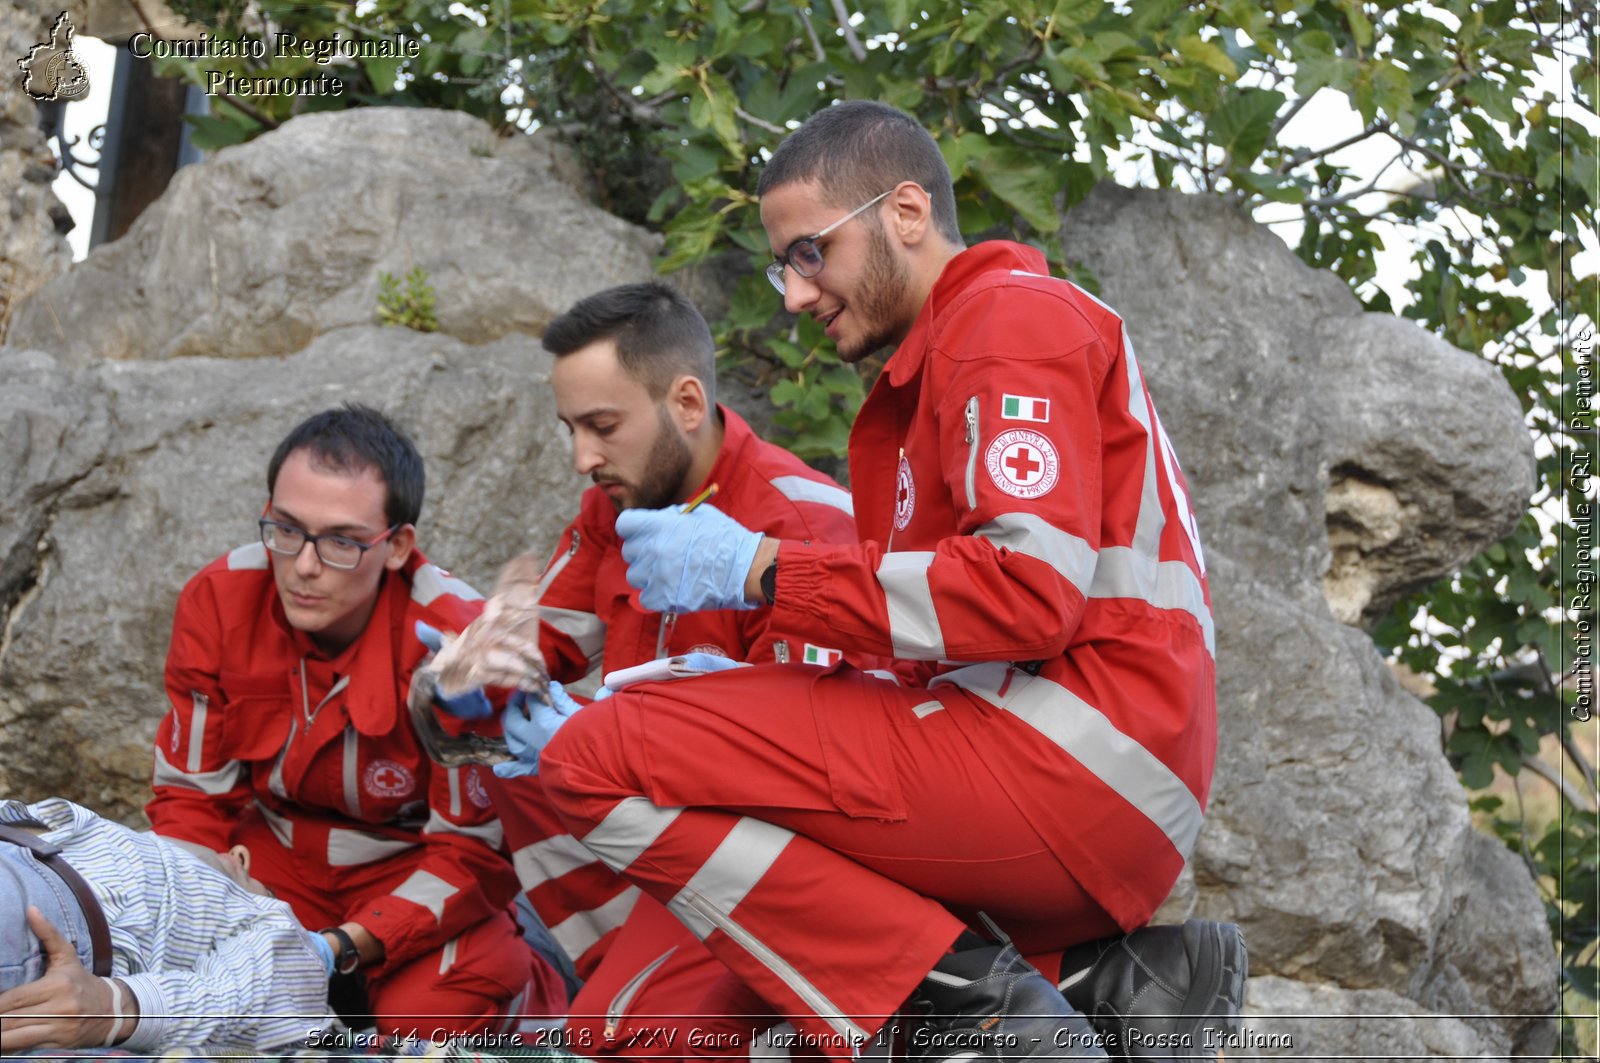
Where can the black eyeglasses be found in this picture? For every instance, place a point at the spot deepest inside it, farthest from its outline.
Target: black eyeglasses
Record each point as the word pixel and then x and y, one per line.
pixel 803 256
pixel 335 551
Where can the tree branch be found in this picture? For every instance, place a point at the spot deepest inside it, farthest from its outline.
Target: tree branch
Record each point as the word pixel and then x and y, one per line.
pixel 811 31
pixel 1453 167
pixel 759 123
pixel 1571 794
pixel 1304 157
pixel 850 38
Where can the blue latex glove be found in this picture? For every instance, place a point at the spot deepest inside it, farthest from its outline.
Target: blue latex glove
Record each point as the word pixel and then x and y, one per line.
pixel 530 724
pixel 709 662
pixel 324 951
pixel 472 705
pixel 687 562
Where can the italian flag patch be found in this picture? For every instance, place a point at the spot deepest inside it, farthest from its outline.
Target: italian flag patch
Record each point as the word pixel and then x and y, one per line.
pixel 1025 408
pixel 822 655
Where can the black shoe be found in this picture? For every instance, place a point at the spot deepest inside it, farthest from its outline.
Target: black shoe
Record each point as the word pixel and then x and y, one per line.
pixel 990 1003
pixel 1165 992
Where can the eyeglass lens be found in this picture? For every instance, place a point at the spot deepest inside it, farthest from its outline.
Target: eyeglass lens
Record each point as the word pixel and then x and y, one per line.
pixel 334 550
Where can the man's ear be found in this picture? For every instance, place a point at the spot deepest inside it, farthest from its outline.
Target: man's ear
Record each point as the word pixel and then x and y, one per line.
pixel 400 546
pixel 911 213
pixel 686 399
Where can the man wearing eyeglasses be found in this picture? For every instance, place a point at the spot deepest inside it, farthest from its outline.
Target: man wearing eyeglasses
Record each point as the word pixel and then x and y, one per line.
pixel 1028 554
pixel 287 675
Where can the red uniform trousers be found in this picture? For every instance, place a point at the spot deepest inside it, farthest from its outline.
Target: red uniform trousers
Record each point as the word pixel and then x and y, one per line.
pixel 475 983
pixel 826 834
pixel 651 988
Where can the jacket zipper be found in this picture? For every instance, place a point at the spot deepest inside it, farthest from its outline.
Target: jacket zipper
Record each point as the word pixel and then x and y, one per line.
pixel 561 563
pixel 972 452
pixel 619 1003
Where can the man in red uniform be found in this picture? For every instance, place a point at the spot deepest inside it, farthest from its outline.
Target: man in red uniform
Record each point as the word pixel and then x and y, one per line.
pixel 1028 551
pixel 288 671
pixel 634 382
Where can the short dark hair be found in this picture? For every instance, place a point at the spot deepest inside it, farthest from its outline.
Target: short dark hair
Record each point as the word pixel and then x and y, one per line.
pixel 659 334
pixel 857 149
pixel 353 437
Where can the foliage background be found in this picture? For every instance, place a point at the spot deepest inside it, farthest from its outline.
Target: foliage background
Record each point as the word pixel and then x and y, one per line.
pixel 1471 151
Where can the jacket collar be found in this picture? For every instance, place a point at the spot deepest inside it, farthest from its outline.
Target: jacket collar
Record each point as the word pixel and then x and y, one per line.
pixel 988 257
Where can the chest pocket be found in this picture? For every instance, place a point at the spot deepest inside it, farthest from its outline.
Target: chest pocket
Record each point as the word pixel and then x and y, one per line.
pixel 256 714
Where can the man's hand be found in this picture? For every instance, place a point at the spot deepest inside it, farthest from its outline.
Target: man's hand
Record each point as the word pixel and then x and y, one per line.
pixel 66 1008
pixel 686 562
pixel 530 724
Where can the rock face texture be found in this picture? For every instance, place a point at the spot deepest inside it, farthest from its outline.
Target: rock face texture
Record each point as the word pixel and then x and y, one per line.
pixel 1325 483
pixel 275 242
pixel 33 223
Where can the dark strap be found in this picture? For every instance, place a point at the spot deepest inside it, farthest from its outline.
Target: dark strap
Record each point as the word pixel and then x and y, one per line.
pixel 50 856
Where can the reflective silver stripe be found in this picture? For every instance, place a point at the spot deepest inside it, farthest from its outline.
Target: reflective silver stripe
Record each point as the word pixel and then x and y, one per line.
pixel 1125 573
pixel 447 955
pixel 352 769
pixel 578 933
pixel 197 729
pixel 1031 534
pixel 732 871
pixel 927 708
pixel 491 833
pixel 282 827
pixel 246 558
pixel 214 783
pixel 913 624
pixel 800 489
pixel 549 859
pixel 453 780
pixel 275 782
pixel 628 830
pixel 1147 529
pixel 430 581
pixel 1083 731
pixel 585 629
pixel 351 848
pixel 810 995
pixel 428 890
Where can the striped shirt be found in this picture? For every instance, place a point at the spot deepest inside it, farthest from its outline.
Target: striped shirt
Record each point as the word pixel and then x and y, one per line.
pixel 213 966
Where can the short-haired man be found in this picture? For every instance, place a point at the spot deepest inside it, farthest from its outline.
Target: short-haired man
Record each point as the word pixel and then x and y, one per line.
pixel 634 381
pixel 287 676
pixel 1028 547
pixel 113 937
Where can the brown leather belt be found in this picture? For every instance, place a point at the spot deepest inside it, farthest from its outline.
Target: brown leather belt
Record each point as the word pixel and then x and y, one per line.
pixel 50 856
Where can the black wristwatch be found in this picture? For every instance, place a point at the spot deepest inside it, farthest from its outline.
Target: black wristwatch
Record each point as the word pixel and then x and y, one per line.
pixel 348 958
pixel 769 583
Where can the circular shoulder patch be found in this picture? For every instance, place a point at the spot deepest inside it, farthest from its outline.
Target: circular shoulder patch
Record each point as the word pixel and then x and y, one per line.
pixel 385 778
pixel 905 495
pixel 1022 463
pixel 476 792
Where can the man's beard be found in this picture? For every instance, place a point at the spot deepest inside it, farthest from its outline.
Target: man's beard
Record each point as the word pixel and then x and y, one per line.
pixel 878 298
pixel 662 481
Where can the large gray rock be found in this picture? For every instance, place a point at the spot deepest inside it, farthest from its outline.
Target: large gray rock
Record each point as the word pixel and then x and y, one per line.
pixel 273 243
pixel 1326 485
pixel 130 476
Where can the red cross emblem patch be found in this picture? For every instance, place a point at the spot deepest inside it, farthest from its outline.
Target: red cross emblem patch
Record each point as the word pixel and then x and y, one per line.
pixel 1023 463
pixel 385 778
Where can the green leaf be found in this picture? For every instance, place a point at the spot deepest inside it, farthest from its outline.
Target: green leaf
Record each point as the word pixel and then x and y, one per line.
pixel 1204 53
pixel 1026 183
pixel 1242 123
